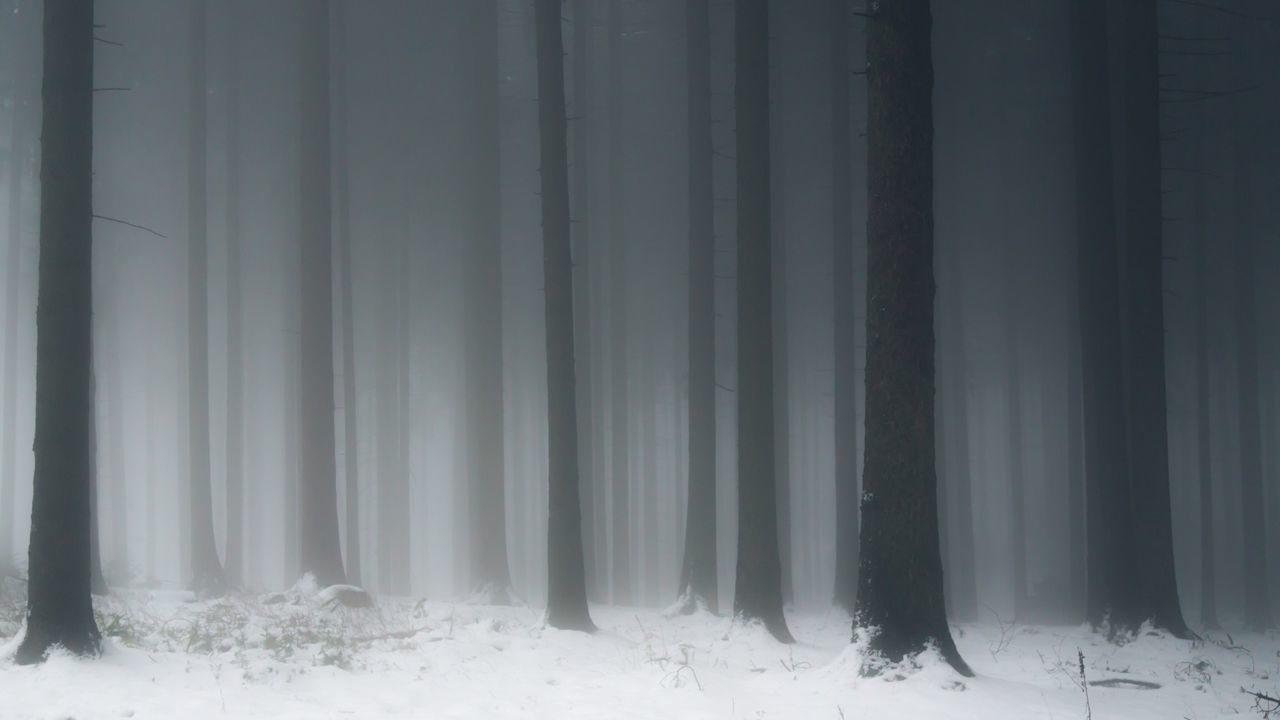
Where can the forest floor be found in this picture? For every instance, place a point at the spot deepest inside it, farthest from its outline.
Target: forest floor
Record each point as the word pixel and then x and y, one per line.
pixel 289 655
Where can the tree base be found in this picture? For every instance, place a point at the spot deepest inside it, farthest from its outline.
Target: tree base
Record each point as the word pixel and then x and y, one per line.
pixel 689 603
pixel 208 584
pixel 897 648
pixel 78 639
pixel 578 622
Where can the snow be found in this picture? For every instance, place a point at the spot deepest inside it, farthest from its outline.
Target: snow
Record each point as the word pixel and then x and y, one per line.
pixel 168 656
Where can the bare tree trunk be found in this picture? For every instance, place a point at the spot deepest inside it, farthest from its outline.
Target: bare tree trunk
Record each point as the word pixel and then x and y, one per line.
pixel 900 587
pixel 320 549
pixel 1013 436
pixel 234 564
pixel 1204 431
pixel 486 410
pixel 59 605
pixel 845 422
pixel 1257 605
pixel 580 196
pixel 350 400
pixel 566 581
pixel 698 578
pixel 206 569
pixel 619 398
pixel 759 591
pixel 1152 569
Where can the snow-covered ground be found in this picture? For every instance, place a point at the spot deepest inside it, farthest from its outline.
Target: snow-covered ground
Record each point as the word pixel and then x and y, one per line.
pixel 288 656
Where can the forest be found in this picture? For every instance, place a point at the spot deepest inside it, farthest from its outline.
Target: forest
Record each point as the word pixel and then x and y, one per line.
pixel 755 359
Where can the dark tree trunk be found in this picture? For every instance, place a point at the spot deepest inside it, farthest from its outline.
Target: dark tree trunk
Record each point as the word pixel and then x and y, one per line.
pixel 759 590
pixel 962 600
pixel 234 564
pixel 206 569
pixel 845 423
pixel 484 333
pixel 1204 431
pixel 1257 606
pixel 1013 420
pixel 119 564
pixel 566 576
pixel 900 587
pixel 59 604
pixel 698 578
pixel 619 397
pixel 1076 528
pixel 320 549
pixel 1106 462
pixel 1152 566
pixel 391 503
pixel 350 401
pixel 581 282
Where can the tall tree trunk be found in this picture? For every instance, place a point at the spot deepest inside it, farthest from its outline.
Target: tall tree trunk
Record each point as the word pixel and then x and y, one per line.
pixel 350 400
pixel 845 391
pixel 619 397
pixel 581 235
pixel 900 588
pixel 758 594
pixel 484 333
pixel 234 564
pixel 1013 436
pixel 59 604
pixel 1076 529
pixel 320 549
pixel 698 578
pixel 206 569
pixel 119 564
pixel 566 576
pixel 1152 566
pixel 1204 431
pixel 1257 605
pixel 1106 463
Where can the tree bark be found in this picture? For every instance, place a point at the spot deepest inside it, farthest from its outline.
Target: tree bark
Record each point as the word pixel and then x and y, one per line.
pixel 350 398
pixel 759 588
pixel 59 604
pixel 845 391
pixel 698 578
pixel 1152 568
pixel 206 569
pixel 900 587
pixel 581 248
pixel 566 581
pixel 619 396
pixel 1204 431
pixel 484 333
pixel 234 564
pixel 320 549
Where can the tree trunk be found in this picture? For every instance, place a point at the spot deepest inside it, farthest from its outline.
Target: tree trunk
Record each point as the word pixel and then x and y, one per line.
pixel 581 249
pixel 206 569
pixel 59 605
pixel 1257 606
pixel 484 333
pixel 234 564
pixel 320 549
pixel 1013 421
pixel 900 588
pixel 698 578
pixel 619 398
pixel 350 400
pixel 1106 462
pixel 1142 287
pixel 1204 431
pixel 566 576
pixel 759 589
pixel 845 422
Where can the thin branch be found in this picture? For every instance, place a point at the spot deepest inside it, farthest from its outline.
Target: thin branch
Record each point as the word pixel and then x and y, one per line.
pixel 132 225
pixel 105 41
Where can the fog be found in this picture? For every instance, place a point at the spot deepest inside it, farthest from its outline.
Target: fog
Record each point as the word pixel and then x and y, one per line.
pixel 434 148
